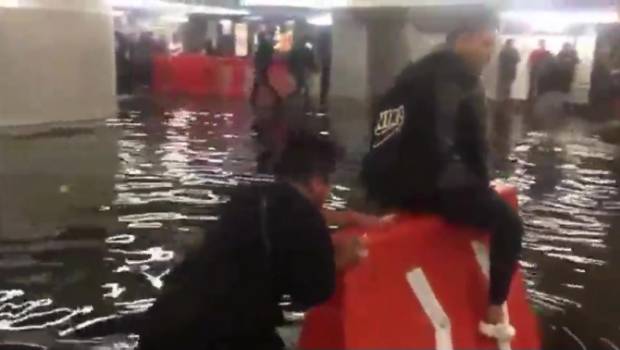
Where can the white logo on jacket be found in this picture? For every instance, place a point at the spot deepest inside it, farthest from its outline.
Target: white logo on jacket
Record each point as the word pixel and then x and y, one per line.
pixel 390 123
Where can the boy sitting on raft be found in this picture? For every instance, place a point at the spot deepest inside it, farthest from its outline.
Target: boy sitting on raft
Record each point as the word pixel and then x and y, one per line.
pixel 429 150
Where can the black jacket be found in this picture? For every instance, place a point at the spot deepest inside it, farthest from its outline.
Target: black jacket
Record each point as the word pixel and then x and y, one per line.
pixel 508 60
pixel 271 242
pixel 429 134
pixel 264 55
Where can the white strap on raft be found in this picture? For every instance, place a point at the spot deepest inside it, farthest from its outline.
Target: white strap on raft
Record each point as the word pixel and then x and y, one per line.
pixel 502 332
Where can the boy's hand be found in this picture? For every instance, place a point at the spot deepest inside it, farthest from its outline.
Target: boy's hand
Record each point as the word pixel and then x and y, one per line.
pixel 348 250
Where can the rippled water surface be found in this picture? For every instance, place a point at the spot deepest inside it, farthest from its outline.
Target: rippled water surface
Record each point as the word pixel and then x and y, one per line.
pixel 177 165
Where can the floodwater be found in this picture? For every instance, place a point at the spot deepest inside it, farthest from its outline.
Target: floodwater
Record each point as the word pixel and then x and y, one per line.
pixel 178 162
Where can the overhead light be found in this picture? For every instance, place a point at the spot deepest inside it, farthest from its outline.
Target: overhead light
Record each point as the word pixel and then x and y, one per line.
pixel 215 10
pixel 9 3
pixel 174 19
pixel 132 3
pixel 254 18
pixel 321 20
pixel 297 3
pixel 558 21
pixel 178 8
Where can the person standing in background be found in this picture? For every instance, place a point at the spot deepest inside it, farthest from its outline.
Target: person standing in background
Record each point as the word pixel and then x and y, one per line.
pixel 567 61
pixel 538 59
pixel 601 90
pixel 262 62
pixel 509 58
pixel 142 58
pixel 301 65
pixel 324 49
pixel 123 63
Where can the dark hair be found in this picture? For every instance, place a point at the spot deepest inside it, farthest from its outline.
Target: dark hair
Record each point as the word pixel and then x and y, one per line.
pixel 486 19
pixel 306 156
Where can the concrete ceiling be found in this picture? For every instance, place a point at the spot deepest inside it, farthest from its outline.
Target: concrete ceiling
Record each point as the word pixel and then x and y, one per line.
pixel 514 4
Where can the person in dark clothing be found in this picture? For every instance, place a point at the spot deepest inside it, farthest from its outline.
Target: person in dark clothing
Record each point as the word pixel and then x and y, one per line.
pixel 210 48
pixel 567 61
pixel 602 85
pixel 272 241
pixel 509 58
pixel 123 63
pixel 301 64
pixel 551 78
pixel 429 150
pixel 262 62
pixel 142 58
pixel 537 62
pixel 324 49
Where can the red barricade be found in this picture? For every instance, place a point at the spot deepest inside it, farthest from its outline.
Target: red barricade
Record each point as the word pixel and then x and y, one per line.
pixel 197 74
pixel 162 75
pixel 194 74
pixel 233 77
pixel 423 286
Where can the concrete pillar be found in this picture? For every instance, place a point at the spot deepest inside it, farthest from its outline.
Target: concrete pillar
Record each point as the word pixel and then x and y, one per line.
pixel 349 105
pixel 389 48
pixel 57 158
pixel 57 61
pixel 370 48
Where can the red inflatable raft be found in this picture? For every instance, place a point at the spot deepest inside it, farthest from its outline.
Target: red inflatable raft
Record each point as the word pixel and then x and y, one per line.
pixel 422 286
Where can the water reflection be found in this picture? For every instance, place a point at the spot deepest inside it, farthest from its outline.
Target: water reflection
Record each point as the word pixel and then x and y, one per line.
pixel 178 164
pixel 23 315
pixel 567 187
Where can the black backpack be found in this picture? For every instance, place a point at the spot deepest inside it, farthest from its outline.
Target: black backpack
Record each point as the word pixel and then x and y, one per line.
pixel 384 154
pixel 402 163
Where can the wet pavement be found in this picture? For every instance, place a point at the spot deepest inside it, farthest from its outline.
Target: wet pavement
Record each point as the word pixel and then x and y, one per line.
pixel 179 160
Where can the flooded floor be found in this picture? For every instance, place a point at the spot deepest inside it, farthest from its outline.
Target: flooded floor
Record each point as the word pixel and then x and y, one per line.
pixel 178 161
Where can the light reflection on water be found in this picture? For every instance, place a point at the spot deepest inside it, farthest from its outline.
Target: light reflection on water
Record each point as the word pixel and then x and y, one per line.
pixel 569 196
pixel 177 168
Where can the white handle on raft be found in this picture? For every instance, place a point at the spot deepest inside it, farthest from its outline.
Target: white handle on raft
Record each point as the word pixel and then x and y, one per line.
pixel 502 332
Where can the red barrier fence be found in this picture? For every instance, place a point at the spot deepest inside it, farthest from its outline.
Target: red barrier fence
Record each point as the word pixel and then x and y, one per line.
pixel 191 74
pixel 197 74
pixel 233 76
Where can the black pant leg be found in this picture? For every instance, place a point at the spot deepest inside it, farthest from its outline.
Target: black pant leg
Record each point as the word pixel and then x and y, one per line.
pixel 254 93
pixel 485 210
